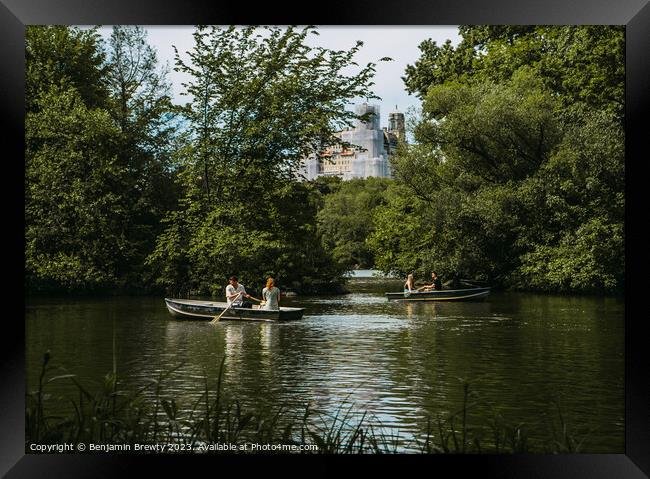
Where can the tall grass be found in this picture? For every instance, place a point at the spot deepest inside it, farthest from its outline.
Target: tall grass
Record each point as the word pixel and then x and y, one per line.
pixel 113 415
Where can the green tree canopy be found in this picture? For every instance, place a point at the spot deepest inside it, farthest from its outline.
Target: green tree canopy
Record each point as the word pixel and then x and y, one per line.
pixel 345 220
pixel 73 213
pixel 584 66
pixel 98 149
pixel 517 173
pixel 140 104
pixel 496 132
pixel 261 100
pixel 64 57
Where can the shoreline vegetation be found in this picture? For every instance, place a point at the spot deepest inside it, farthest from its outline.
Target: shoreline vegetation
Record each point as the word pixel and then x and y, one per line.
pixel 338 289
pixel 113 415
pixel 513 175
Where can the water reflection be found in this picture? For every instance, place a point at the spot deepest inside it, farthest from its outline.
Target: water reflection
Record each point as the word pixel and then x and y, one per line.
pixel 401 361
pixel 409 310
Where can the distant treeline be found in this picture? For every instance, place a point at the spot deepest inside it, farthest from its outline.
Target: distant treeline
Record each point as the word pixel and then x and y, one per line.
pixel 515 175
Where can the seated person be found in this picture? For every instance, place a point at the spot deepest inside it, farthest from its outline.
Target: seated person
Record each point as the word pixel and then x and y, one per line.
pixel 235 294
pixel 409 285
pixel 436 284
pixel 271 295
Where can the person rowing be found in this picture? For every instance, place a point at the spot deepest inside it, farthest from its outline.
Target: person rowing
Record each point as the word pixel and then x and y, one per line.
pixel 436 284
pixel 235 294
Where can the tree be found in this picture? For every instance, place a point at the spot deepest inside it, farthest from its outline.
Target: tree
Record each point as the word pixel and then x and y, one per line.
pixel 98 148
pixel 583 65
pixel 140 103
pixel 73 211
pixel 260 102
pixel 345 220
pixel 67 58
pixel 403 233
pixel 574 239
pixel 264 101
pixel 457 234
pixel 493 132
pixel 517 173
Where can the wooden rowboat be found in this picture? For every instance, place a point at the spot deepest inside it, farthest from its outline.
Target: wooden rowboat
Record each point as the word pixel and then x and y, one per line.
pixel 469 294
pixel 194 309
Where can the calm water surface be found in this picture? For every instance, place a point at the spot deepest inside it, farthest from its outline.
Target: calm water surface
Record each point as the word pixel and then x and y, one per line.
pixel 401 362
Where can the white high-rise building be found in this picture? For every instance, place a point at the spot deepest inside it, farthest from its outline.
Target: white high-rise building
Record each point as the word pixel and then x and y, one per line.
pixel 369 154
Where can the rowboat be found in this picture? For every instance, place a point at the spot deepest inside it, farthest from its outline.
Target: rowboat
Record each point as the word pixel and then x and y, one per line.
pixel 194 309
pixel 468 294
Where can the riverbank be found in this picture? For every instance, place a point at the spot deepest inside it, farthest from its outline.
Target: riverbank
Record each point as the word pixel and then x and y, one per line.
pixel 337 288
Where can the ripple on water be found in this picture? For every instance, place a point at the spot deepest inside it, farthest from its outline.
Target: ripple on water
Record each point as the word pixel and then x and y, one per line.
pixel 399 361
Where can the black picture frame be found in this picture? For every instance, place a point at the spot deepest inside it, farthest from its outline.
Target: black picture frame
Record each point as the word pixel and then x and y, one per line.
pixel 15 14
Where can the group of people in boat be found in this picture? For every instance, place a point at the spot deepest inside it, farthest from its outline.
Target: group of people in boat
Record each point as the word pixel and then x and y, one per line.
pixel 435 284
pixel 237 296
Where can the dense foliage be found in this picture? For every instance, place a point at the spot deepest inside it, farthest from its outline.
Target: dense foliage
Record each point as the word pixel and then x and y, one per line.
pixel 98 144
pixel 517 173
pixel 260 103
pixel 345 220
pixel 125 191
pixel 583 66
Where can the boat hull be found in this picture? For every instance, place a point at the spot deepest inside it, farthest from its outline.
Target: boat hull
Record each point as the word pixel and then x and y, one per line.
pixel 470 294
pixel 194 309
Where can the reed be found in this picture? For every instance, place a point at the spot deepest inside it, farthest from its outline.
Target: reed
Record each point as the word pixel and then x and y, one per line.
pixel 113 414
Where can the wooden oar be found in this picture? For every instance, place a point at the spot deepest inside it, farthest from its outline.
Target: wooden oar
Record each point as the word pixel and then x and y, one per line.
pixel 261 301
pixel 217 318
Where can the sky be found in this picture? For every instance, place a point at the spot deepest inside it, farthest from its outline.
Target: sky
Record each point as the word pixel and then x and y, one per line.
pixel 399 43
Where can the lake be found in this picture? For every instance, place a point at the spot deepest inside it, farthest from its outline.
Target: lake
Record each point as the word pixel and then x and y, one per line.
pixel 401 362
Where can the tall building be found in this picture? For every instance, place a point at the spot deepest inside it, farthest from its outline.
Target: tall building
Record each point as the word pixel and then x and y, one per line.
pixel 372 146
pixel 396 124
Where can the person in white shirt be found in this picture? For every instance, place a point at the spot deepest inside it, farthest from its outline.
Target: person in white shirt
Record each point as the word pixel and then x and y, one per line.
pixel 235 293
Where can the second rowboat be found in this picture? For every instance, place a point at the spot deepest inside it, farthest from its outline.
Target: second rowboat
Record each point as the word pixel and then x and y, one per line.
pixel 441 295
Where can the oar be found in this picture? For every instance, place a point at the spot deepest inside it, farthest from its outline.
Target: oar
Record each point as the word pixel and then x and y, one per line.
pixel 217 318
